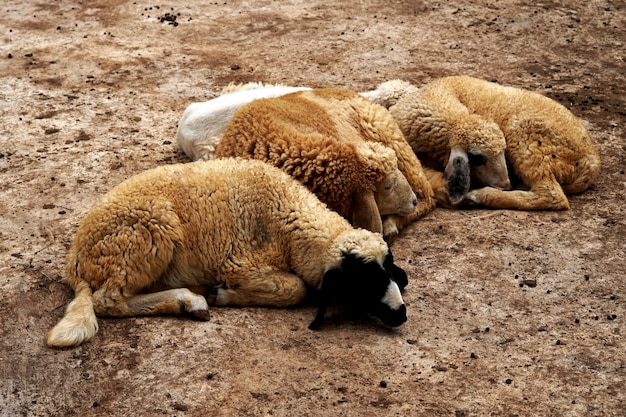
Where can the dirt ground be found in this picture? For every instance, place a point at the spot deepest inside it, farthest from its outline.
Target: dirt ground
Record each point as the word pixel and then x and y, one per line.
pixel 510 313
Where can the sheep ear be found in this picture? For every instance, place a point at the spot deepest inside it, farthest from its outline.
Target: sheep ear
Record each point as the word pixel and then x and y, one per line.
pixel 398 275
pixel 457 175
pixel 330 287
pixel 365 213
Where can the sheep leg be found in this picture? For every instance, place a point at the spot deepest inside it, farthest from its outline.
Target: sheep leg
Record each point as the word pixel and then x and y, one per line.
pixel 439 184
pixel 543 197
pixel 393 223
pixel 365 213
pixel 174 301
pixel 261 288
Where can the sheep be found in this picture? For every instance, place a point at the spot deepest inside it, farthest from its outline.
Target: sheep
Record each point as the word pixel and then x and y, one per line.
pixel 346 149
pixel 475 128
pixel 202 124
pixel 241 231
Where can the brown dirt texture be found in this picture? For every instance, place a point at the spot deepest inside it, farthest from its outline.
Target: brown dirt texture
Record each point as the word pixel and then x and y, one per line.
pixel 510 313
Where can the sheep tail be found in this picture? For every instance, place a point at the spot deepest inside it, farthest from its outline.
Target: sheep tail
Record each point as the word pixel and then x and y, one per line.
pixel 79 323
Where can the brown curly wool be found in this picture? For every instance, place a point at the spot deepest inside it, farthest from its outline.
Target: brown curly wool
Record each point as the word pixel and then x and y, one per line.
pixel 332 140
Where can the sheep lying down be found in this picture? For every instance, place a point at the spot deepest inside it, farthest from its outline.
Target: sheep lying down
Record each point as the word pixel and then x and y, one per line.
pixel 344 148
pixel 240 231
pixel 470 131
pixel 202 124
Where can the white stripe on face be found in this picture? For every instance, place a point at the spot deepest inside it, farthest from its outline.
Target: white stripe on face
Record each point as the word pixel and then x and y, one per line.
pixel 392 297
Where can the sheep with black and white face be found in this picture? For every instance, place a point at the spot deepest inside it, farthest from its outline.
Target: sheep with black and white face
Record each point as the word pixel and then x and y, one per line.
pixel 471 131
pixel 241 232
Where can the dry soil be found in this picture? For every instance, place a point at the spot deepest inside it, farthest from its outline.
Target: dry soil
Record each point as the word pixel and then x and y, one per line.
pixel 510 313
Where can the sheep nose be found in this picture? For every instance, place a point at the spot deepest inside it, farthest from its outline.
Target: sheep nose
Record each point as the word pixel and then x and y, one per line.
pixel 414 200
pixel 399 317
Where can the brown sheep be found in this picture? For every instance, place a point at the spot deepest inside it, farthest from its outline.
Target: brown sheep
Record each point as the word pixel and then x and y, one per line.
pixel 202 124
pixel 338 144
pixel 474 128
pixel 241 230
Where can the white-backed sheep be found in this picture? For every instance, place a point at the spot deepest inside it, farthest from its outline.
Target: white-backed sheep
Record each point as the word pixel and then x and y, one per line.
pixel 340 145
pixel 202 124
pixel 475 127
pixel 242 230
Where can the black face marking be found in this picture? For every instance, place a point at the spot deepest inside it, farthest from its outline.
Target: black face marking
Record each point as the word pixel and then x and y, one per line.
pixel 459 182
pixel 397 274
pixel 476 159
pixel 360 287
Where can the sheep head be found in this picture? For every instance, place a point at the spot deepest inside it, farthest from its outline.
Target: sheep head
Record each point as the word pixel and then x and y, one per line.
pixel 366 280
pixel 384 189
pixel 477 153
pixel 394 195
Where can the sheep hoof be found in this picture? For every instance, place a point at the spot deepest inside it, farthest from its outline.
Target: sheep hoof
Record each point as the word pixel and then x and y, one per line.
pixel 390 230
pixel 319 317
pixel 316 324
pixel 199 308
pixel 471 198
pixel 389 238
pixel 200 315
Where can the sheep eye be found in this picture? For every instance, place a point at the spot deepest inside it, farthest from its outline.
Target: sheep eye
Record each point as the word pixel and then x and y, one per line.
pixel 390 185
pixel 476 159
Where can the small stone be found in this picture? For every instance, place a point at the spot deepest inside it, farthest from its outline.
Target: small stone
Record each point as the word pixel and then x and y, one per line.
pixel 180 407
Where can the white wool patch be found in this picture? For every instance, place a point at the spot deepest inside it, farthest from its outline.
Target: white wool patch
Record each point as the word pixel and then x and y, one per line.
pixel 368 246
pixel 392 297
